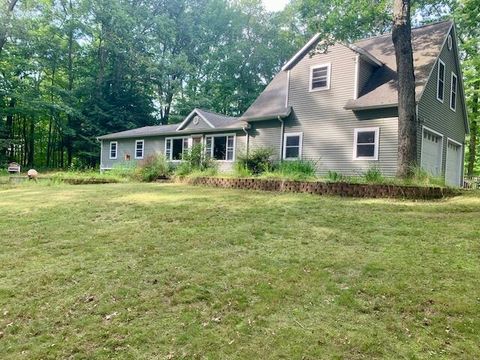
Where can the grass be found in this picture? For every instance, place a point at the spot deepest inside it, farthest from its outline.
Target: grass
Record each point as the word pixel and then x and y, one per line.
pixel 142 271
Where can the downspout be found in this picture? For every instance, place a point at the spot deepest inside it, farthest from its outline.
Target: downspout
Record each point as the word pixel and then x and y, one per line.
pixel 282 132
pixel 357 71
pixel 245 130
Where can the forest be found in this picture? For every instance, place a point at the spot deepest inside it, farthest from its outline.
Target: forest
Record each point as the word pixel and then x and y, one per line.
pixel 71 70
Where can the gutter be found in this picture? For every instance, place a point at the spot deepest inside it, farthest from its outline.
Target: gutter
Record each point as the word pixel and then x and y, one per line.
pixel 170 133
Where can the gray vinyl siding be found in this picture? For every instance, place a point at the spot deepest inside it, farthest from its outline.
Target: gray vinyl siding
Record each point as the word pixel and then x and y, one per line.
pixel 200 126
pixel 328 129
pixel 438 116
pixel 155 145
pixel 266 134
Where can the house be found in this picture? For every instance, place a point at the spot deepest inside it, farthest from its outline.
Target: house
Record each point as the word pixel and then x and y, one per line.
pixel 336 106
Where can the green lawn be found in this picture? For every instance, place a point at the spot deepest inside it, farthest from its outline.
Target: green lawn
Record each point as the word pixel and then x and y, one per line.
pixel 142 271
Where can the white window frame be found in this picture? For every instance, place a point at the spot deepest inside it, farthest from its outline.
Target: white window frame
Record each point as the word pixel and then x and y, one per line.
pixel 453 92
pixel 300 146
pixel 189 141
pixel 313 67
pixel 143 149
pixel 110 150
pixel 376 143
pixel 440 62
pixel 226 146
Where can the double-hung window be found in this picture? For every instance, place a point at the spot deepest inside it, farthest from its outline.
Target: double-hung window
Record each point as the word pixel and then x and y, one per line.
pixel 113 150
pixel 453 92
pixel 220 147
pixel 292 146
pixel 175 148
pixel 365 146
pixel 139 149
pixel 440 80
pixel 320 77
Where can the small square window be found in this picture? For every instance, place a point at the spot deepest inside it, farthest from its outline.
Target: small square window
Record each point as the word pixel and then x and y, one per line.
pixel 366 144
pixel 292 146
pixel 320 77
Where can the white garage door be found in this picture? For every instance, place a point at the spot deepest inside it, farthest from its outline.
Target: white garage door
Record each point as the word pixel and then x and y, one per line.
pixel 432 153
pixel 453 170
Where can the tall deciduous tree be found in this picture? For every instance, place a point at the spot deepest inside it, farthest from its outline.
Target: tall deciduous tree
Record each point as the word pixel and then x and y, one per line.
pixel 407 123
pixel 5 16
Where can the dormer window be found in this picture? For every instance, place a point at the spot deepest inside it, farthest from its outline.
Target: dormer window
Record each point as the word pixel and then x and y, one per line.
pixel 320 77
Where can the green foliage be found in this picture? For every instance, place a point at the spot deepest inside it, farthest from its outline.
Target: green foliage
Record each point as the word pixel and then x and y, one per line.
pixel 293 170
pixel 195 160
pixel 256 162
pixel 373 175
pixel 152 168
pixel 335 176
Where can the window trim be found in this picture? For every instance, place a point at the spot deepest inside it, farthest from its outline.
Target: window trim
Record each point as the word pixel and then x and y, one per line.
pixel 376 143
pixel 221 135
pixel 183 149
pixel 300 145
pixel 440 62
pixel 451 91
pixel 313 67
pixel 143 149
pixel 110 150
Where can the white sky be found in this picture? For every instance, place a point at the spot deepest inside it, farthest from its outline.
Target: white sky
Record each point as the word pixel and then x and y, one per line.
pixel 274 5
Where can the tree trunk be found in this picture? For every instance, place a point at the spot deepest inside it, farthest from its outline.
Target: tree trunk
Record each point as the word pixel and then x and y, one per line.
pixel 472 146
pixel 407 125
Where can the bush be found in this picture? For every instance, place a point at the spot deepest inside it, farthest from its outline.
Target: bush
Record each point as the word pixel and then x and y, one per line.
pixel 373 175
pixel 296 169
pixel 256 162
pixel 154 167
pixel 195 160
pixel 335 176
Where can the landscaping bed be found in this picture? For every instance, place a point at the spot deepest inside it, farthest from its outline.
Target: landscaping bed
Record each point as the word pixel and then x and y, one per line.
pixel 327 188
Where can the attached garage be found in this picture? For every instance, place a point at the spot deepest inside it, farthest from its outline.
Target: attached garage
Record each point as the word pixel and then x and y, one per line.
pixel 431 156
pixel 453 164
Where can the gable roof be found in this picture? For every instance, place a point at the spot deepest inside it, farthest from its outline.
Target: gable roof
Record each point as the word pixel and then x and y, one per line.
pixel 217 122
pixel 381 89
pixel 214 120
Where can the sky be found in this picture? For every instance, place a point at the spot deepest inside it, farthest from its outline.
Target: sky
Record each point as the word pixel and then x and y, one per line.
pixel 275 5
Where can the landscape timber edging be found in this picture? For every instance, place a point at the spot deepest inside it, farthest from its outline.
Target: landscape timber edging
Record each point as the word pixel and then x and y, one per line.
pixel 344 189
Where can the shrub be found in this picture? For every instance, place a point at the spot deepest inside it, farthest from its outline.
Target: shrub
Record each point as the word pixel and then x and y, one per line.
pixel 335 176
pixel 257 161
pixel 296 169
pixel 422 178
pixel 373 175
pixel 195 160
pixel 152 168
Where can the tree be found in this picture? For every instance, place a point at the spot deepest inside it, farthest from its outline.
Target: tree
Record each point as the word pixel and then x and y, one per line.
pixel 5 17
pixel 407 124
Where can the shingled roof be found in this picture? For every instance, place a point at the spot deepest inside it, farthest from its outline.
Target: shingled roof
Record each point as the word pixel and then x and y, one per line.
pixel 381 89
pixel 216 121
pixel 271 103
